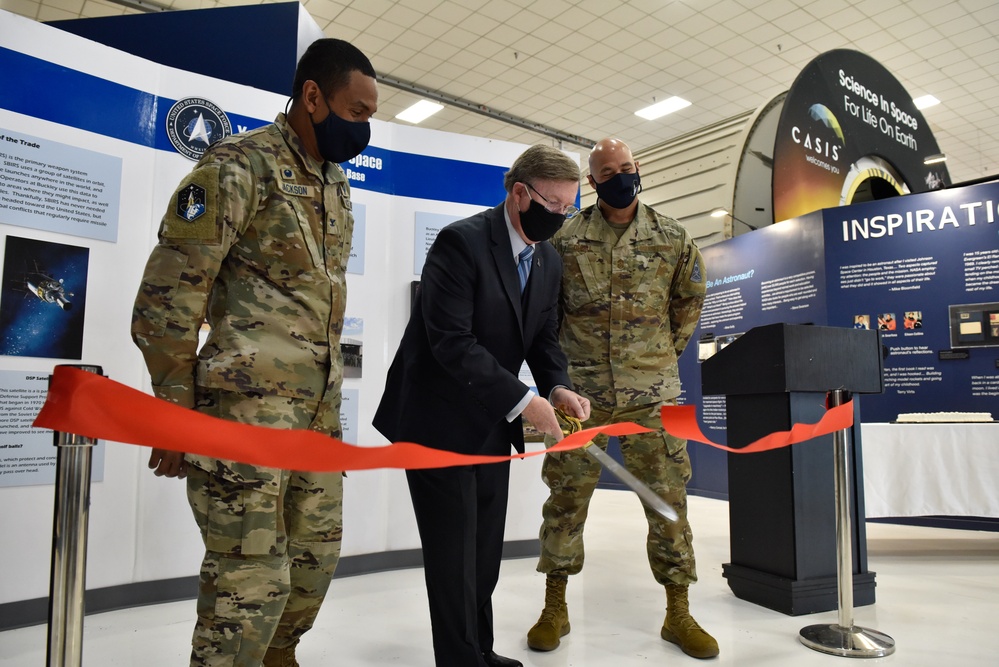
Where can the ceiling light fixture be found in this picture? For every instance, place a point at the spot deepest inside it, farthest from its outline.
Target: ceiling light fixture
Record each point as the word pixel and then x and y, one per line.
pixel 660 109
pixel 925 101
pixel 933 159
pixel 419 112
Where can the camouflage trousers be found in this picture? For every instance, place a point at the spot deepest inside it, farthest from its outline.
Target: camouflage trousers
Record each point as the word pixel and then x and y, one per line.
pixel 271 546
pixel 656 458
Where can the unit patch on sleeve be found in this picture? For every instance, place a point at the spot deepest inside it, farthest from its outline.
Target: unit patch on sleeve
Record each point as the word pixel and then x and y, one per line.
pixel 194 208
pixel 191 202
pixel 695 272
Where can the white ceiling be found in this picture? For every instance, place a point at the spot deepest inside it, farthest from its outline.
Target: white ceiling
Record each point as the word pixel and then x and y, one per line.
pixel 583 67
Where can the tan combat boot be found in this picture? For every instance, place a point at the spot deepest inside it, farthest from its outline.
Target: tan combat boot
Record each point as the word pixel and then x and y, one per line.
pixel 554 622
pixel 280 657
pixel 680 627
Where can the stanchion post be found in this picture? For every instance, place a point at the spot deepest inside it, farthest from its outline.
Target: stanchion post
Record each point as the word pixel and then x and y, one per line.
pixel 67 583
pixel 845 639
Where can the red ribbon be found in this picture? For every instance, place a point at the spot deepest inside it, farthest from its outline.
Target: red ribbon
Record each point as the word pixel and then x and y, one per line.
pixel 681 421
pixel 93 406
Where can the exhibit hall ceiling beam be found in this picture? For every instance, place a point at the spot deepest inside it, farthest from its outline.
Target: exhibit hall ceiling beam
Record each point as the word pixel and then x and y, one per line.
pixel 481 109
pixel 142 6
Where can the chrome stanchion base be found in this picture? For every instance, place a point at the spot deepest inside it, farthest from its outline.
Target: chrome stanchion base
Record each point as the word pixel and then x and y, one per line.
pixel 854 642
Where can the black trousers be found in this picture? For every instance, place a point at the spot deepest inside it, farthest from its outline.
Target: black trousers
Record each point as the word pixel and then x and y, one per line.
pixel 461 516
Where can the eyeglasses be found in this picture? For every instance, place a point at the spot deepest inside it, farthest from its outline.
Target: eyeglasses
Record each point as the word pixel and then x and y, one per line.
pixel 568 210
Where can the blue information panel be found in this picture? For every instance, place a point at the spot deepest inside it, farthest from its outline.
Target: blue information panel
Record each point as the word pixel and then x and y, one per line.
pixel 772 275
pixel 922 269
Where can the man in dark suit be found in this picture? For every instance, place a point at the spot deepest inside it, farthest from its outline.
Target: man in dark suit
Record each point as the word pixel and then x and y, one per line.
pixel 487 303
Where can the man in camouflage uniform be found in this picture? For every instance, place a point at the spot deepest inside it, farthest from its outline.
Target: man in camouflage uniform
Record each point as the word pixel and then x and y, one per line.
pixel 256 241
pixel 632 289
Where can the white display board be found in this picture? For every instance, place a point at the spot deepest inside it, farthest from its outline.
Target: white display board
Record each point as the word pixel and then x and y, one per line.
pixel 140 526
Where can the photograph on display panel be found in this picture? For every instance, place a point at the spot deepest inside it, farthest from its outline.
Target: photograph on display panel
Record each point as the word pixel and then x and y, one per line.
pixel 974 325
pixel 43 299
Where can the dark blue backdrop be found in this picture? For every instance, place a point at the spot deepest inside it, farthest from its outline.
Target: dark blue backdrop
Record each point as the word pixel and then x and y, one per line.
pixel 915 267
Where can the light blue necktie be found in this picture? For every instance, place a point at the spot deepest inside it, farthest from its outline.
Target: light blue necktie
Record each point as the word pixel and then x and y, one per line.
pixel 524 265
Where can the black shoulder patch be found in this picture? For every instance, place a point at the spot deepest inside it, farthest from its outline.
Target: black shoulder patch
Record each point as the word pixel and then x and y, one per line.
pixel 194 208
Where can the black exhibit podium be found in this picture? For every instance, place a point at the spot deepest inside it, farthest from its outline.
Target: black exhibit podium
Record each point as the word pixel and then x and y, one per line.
pixel 782 506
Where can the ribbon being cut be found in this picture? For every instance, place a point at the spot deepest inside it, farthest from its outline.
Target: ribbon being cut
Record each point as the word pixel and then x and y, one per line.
pixel 93 406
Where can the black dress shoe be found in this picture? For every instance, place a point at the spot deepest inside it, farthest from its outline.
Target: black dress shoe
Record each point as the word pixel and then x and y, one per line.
pixel 493 660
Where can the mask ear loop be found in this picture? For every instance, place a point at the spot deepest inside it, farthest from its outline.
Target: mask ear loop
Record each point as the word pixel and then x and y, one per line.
pixel 529 197
pixel 292 99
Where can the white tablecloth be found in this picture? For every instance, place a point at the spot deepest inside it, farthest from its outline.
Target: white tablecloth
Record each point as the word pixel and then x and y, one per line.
pixel 931 469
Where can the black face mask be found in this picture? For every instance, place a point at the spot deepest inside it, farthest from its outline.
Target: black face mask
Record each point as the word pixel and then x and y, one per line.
pixel 620 190
pixel 540 224
pixel 341 140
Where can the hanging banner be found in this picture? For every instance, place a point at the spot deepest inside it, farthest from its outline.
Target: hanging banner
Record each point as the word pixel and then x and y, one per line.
pixel 849 132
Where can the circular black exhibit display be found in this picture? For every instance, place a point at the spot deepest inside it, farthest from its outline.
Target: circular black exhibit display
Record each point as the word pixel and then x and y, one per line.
pixel 849 132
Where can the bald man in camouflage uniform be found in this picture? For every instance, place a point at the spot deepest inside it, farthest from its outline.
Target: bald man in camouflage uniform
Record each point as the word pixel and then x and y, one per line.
pixel 256 241
pixel 633 285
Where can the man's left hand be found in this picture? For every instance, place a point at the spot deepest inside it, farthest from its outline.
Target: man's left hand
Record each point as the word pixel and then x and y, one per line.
pixel 571 403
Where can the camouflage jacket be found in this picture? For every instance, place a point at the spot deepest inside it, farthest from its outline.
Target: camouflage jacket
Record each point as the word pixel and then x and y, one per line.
pixel 255 242
pixel 628 305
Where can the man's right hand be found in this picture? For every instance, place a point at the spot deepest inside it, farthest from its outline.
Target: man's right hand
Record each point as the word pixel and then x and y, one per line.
pixel 167 463
pixel 542 416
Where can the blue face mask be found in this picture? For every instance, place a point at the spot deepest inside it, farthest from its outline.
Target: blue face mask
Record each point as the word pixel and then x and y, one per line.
pixel 620 190
pixel 341 140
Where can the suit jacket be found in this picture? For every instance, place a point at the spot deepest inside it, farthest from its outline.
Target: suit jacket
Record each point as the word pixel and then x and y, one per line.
pixel 454 378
